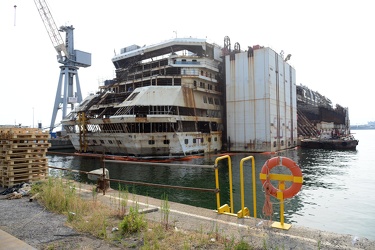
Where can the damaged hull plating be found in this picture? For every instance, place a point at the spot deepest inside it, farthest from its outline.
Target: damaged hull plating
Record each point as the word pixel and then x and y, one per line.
pixel 166 100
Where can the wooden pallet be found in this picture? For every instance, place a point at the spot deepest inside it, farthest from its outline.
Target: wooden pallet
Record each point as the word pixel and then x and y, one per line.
pixel 23 136
pixel 23 155
pixel 26 172
pixel 22 161
pixel 9 182
pixel 29 175
pixel 28 145
pixel 9 151
pixel 10 169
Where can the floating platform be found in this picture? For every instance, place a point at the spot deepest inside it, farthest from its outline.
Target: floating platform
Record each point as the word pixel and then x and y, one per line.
pixel 335 144
pixel 60 143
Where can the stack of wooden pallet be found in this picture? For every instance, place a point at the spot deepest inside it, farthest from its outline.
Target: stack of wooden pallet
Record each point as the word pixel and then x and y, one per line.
pixel 23 155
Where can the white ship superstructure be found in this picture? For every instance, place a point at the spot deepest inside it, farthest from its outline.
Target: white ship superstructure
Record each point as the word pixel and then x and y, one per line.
pixel 166 100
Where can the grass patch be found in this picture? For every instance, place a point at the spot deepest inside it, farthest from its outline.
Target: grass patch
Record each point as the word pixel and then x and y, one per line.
pixel 120 224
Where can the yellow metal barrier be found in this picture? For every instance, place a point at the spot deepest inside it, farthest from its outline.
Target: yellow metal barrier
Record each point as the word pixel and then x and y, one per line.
pixel 244 210
pixel 225 209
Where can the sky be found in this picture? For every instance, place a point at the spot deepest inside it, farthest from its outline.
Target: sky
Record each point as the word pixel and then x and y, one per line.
pixel 331 43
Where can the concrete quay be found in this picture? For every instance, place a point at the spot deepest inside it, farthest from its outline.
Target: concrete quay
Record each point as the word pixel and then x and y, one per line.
pixel 257 232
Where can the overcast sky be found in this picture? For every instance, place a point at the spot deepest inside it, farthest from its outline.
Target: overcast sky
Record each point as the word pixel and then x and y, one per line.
pixel 331 42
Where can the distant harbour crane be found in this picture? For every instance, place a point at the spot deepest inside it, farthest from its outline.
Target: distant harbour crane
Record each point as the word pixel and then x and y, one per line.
pixel 70 59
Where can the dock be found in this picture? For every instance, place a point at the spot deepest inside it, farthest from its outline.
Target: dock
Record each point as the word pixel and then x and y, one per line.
pixel 255 231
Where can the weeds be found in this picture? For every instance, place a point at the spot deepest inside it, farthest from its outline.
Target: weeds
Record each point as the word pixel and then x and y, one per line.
pixel 134 222
pixel 122 201
pixel 94 193
pixel 165 210
pixel 92 216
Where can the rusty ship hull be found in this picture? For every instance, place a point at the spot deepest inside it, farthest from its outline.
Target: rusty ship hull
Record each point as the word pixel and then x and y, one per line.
pixel 166 100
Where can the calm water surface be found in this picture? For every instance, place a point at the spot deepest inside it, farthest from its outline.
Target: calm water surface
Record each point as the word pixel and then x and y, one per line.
pixel 336 194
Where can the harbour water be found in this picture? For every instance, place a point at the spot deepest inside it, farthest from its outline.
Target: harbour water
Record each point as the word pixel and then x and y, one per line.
pixel 336 194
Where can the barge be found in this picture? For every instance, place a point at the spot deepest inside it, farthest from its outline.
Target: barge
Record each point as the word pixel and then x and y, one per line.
pixel 344 143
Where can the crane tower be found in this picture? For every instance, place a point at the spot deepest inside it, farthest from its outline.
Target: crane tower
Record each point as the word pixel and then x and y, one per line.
pixel 70 59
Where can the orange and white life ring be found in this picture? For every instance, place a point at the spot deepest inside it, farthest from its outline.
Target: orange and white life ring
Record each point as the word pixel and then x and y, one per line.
pixel 295 178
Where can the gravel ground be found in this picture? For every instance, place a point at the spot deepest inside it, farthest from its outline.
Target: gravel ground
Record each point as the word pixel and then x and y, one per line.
pixel 30 222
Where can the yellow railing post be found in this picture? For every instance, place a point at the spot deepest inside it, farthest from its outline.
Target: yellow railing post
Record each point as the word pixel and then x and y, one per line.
pixel 245 211
pixel 280 196
pixel 224 208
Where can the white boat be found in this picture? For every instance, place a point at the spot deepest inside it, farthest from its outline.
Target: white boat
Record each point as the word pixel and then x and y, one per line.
pixel 166 100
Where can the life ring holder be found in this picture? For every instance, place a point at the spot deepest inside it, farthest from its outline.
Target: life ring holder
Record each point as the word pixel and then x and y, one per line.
pixel 295 178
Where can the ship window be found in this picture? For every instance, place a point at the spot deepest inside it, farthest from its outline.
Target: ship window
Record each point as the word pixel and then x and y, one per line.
pixel 132 96
pixel 119 142
pixel 110 142
pixel 204 99
pixel 101 141
pixel 186 141
pixel 166 141
pixel 194 140
pixel 151 142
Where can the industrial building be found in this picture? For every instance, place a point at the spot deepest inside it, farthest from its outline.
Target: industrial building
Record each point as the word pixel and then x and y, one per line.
pixel 261 106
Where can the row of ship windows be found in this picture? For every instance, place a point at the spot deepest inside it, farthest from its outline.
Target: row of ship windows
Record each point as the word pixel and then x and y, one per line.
pixel 203 73
pixel 211 100
pixel 209 86
pixel 152 142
